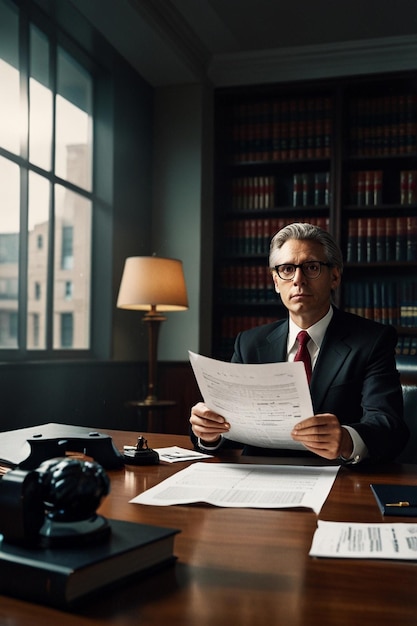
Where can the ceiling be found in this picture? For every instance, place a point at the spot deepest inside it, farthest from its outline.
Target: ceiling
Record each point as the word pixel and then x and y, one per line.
pixel 177 41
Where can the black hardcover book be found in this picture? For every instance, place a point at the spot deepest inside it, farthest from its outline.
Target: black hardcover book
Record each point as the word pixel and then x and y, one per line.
pixel 64 577
pixel 398 500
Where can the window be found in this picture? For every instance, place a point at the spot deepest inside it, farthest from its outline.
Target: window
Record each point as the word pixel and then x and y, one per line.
pixel 67 255
pixel 68 290
pixel 46 164
pixel 67 330
pixel 35 330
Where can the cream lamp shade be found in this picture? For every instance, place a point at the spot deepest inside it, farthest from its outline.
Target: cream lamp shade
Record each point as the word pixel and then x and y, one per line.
pixel 151 282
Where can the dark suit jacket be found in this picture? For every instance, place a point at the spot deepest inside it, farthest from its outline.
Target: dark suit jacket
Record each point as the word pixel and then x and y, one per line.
pixel 355 377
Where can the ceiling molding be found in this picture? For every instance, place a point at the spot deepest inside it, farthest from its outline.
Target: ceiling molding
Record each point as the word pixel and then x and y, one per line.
pixel 170 25
pixel 312 62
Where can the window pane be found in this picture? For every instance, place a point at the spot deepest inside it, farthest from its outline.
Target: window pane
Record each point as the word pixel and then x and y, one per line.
pixel 38 238
pixel 9 252
pixel 67 330
pixel 11 123
pixel 40 113
pixel 72 266
pixel 73 123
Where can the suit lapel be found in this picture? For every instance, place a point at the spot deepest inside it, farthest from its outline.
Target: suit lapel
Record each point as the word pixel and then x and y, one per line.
pixel 333 353
pixel 274 348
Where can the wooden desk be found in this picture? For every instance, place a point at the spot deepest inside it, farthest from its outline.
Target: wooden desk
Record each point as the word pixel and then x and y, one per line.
pixel 246 566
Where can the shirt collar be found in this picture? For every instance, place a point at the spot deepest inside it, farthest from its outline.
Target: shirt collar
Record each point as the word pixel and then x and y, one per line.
pixel 316 332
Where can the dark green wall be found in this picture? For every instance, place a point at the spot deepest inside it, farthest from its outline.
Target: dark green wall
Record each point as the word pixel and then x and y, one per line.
pixel 94 394
pixel 79 393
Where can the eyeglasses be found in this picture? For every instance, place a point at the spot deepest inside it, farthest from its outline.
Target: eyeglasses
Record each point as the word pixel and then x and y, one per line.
pixel 310 269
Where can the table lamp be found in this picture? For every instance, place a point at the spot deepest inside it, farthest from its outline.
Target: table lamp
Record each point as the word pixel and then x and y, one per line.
pixel 152 284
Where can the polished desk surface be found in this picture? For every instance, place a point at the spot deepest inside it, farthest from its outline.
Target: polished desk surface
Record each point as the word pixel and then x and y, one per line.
pixel 245 566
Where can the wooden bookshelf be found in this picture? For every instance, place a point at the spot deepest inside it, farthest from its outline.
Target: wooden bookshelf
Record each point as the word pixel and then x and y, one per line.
pixel 340 153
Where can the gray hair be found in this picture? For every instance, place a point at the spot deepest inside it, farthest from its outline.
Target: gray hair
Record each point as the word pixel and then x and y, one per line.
pixel 298 230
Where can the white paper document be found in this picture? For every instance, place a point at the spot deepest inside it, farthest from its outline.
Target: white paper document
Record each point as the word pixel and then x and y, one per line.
pixel 173 454
pixel 365 541
pixel 261 402
pixel 244 486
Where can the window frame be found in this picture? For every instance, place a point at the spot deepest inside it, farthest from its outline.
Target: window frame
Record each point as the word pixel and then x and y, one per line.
pixel 100 334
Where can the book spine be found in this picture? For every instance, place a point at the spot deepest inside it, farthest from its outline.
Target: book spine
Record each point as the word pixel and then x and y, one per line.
pixel 310 129
pixel 361 241
pixel 293 134
pixel 377 301
pixel 368 300
pixel 377 187
pixel 411 238
pixel 302 130
pixel 284 131
pixel 297 190
pixel 401 239
pixel 411 123
pixel 352 241
pixel 412 187
pixel 390 235
pixel 371 239
pixel 360 186
pixel 403 187
pixel 380 239
pixel 305 186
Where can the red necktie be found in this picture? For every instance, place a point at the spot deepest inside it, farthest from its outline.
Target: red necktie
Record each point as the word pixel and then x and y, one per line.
pixel 302 353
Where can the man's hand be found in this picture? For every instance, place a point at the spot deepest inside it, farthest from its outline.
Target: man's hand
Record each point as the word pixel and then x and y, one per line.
pixel 206 424
pixel 323 435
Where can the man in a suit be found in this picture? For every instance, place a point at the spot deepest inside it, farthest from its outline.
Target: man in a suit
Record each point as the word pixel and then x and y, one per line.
pixel 355 387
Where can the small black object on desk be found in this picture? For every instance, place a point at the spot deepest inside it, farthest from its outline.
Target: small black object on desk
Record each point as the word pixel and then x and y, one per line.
pixel 141 454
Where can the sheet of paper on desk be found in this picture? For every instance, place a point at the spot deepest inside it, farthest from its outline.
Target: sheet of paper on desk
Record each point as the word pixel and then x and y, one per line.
pixel 261 402
pixel 365 541
pixel 244 486
pixel 173 454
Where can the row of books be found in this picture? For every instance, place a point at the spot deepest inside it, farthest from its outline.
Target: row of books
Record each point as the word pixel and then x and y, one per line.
pixel 232 325
pixel 281 130
pixel 259 193
pixel 311 189
pixel 406 345
pixel 382 239
pixel 366 187
pixel 253 236
pixel 253 193
pixel 246 284
pixel 387 301
pixel 383 125
pixel 408 186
